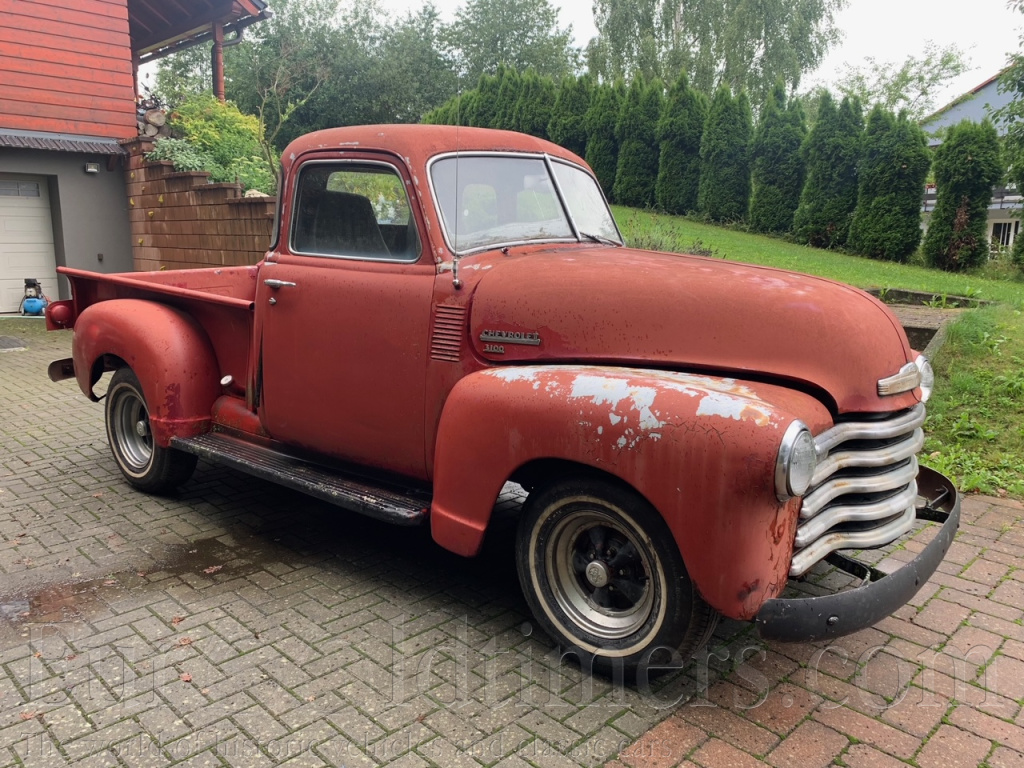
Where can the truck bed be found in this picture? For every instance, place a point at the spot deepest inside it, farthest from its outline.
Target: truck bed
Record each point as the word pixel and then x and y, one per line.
pixel 220 299
pixel 227 286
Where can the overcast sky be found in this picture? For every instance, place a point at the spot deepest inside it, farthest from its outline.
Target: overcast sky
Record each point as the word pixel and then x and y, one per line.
pixel 888 30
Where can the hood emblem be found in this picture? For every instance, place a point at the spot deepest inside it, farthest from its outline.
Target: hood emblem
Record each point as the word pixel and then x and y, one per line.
pixel 529 338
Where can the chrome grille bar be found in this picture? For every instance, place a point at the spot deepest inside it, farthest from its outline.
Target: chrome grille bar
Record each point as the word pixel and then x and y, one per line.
pixel 894 479
pixel 864 490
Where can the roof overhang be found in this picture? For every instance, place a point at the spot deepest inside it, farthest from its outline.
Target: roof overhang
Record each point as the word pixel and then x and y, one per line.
pixel 60 142
pixel 162 27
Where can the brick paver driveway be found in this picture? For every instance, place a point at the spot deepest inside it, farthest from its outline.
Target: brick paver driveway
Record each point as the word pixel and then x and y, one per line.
pixel 240 624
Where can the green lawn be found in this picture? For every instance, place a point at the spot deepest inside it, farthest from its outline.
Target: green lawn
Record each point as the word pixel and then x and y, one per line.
pixel 644 229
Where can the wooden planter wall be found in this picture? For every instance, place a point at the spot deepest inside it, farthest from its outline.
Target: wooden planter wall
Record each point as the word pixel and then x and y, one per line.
pixel 181 221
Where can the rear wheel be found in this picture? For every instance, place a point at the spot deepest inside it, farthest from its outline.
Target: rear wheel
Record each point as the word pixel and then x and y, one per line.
pixel 602 574
pixel 144 464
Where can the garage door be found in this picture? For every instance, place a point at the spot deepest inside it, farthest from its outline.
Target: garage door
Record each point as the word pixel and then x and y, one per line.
pixel 26 239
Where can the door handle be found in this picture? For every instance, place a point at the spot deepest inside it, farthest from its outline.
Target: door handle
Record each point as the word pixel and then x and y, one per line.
pixel 278 283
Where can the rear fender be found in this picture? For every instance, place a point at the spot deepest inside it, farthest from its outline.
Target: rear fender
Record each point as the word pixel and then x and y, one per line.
pixel 702 450
pixel 169 352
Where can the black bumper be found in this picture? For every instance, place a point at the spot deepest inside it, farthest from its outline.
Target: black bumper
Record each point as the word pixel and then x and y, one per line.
pixel 804 619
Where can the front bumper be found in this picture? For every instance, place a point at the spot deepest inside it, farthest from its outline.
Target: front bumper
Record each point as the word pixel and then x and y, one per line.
pixel 815 618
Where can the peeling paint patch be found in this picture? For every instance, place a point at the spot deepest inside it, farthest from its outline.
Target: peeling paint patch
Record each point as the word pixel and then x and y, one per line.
pixel 729 407
pixel 512 374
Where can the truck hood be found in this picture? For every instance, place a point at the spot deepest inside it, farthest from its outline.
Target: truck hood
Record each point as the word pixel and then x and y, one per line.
pixel 621 306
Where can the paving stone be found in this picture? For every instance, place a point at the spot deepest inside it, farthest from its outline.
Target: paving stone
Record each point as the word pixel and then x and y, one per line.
pixel 809 746
pixel 953 747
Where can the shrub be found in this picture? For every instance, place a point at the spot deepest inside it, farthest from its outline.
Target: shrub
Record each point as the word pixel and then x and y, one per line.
pixel 894 165
pixel 218 128
pixel 831 153
pixel 967 165
pixel 724 191
pixel 679 131
pixel 778 173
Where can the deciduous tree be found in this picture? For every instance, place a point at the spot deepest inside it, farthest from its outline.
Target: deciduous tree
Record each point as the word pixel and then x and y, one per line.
pixel 909 87
pixel 517 33
pixel 746 45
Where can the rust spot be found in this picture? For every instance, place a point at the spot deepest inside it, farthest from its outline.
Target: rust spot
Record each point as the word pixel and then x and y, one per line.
pixel 748 588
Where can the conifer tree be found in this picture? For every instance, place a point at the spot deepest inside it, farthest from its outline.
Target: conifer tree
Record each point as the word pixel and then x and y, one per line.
pixel 724 190
pixel 505 115
pixel 486 100
pixel 831 153
pixel 602 152
pixel 465 112
pixel 967 166
pixel 679 133
pixel 893 167
pixel 566 127
pixel 778 169
pixel 536 99
pixel 636 132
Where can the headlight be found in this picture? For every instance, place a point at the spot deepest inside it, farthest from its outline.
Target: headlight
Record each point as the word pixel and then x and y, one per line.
pixel 796 463
pixel 927 377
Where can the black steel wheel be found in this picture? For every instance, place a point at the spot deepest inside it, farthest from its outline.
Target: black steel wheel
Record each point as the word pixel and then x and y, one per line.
pixel 602 574
pixel 144 464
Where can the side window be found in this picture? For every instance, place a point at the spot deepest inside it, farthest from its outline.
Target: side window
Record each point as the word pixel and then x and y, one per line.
pixel 358 211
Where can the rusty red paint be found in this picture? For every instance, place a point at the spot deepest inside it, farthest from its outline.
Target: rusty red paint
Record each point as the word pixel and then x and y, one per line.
pixel 340 364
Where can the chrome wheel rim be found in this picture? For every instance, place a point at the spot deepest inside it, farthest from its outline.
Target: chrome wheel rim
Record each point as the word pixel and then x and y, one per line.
pixel 600 574
pixel 131 430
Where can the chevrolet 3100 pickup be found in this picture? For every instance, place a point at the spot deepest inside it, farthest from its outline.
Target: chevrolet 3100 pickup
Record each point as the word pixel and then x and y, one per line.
pixel 444 310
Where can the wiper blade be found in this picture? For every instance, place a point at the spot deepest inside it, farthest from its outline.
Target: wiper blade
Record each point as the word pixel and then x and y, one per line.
pixel 599 239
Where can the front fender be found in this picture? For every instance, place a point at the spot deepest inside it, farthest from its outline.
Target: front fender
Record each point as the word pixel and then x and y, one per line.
pixel 702 450
pixel 169 352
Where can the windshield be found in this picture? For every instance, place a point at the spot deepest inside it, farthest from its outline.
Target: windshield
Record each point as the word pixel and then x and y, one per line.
pixel 490 200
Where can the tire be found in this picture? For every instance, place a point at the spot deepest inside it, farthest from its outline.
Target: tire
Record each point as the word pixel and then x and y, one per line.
pixel 602 574
pixel 143 463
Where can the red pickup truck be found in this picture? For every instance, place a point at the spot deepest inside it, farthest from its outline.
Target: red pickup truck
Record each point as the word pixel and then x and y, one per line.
pixel 444 310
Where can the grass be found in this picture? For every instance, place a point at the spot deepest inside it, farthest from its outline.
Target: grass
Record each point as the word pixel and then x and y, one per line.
pixel 998 282
pixel 975 428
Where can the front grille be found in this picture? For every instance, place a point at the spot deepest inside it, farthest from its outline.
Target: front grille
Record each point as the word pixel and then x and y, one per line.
pixel 864 491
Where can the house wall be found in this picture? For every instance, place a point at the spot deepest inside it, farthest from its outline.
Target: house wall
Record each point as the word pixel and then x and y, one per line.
pixel 181 221
pixel 973 106
pixel 89 212
pixel 67 67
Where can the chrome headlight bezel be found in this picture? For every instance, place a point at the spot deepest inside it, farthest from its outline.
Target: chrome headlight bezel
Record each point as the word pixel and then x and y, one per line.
pixel 927 384
pixel 796 462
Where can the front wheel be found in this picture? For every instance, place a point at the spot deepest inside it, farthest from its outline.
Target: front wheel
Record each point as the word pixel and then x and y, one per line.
pixel 602 574
pixel 144 464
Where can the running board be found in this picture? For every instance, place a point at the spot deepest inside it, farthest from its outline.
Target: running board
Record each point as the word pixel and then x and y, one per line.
pixel 355 494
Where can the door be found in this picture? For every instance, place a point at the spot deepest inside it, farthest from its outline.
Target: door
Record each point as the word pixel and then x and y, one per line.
pixel 345 309
pixel 26 239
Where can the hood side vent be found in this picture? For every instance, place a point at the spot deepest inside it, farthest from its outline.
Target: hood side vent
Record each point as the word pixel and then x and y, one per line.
pixel 449 330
